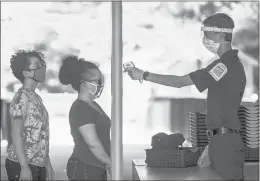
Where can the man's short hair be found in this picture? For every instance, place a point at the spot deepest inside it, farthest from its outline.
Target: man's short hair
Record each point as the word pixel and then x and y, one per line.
pixel 220 20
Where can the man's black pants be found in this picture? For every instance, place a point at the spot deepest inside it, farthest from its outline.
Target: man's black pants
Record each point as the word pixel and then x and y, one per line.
pixel 227 155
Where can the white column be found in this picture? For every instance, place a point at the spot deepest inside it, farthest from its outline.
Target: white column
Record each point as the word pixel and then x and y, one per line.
pixel 117 93
pixel 4 126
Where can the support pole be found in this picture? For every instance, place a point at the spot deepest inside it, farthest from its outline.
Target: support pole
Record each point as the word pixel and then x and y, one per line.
pixel 4 121
pixel 117 93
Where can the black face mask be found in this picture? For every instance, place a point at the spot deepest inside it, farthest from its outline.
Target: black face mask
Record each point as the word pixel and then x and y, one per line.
pixel 39 74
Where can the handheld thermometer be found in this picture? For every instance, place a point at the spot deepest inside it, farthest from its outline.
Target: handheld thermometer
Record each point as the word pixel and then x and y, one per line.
pixel 128 65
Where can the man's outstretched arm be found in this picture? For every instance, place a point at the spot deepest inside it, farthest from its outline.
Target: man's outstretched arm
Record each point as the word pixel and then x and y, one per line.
pixel 202 78
pixel 170 80
pixel 167 80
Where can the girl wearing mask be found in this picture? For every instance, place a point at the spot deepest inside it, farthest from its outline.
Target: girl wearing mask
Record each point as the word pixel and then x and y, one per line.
pixel 28 155
pixel 90 126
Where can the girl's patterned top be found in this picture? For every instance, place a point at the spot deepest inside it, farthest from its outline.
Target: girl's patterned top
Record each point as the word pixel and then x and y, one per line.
pixel 28 106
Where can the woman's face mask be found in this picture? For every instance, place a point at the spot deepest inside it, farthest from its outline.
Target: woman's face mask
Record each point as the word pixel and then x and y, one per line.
pixel 97 90
pixel 39 72
pixel 98 87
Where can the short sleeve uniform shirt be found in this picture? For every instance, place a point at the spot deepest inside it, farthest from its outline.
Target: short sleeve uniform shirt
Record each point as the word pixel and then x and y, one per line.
pixel 225 80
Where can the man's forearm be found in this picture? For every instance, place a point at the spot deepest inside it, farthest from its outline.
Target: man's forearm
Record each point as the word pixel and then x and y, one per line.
pixel 167 80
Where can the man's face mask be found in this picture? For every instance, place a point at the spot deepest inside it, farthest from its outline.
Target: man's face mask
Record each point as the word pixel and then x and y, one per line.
pixel 98 87
pixel 39 73
pixel 210 44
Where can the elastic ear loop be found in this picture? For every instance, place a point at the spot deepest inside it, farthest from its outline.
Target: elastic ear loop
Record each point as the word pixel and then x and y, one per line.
pixel 94 85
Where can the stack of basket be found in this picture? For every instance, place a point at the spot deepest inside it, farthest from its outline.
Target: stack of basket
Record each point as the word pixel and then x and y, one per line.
pixel 249 118
pixel 197 129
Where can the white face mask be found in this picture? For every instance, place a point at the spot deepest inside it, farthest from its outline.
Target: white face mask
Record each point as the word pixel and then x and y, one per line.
pixel 211 45
pixel 98 90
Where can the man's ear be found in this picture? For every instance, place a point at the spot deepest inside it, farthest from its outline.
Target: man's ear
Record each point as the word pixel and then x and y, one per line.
pixel 222 36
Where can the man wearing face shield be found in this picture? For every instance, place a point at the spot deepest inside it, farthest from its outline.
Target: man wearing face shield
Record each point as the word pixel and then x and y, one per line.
pixel 225 80
pixel 28 155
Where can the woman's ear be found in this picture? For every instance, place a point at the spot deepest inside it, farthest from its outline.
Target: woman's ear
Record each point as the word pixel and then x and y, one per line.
pixel 84 84
pixel 27 73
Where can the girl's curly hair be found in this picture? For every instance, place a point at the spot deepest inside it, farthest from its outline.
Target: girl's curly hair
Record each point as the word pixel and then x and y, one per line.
pixel 19 62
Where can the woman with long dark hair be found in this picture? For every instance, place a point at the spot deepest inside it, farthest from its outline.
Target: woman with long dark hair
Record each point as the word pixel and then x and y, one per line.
pixel 90 125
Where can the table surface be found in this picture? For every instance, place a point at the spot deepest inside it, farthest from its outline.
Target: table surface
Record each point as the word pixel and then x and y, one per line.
pixel 190 173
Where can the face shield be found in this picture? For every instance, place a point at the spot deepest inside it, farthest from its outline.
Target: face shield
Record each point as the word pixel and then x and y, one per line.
pixel 213 29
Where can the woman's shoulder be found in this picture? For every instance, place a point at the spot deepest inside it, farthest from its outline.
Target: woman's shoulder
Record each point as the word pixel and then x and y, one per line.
pixel 82 113
pixel 20 97
pixel 81 106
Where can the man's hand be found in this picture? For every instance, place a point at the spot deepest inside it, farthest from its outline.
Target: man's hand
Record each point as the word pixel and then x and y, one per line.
pixel 26 173
pixel 135 73
pixel 204 158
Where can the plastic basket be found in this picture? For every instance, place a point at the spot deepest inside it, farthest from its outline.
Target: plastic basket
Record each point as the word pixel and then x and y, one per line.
pixel 184 157
pixel 252 154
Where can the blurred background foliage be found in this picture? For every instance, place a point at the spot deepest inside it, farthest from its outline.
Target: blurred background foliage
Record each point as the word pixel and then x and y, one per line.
pixel 53 39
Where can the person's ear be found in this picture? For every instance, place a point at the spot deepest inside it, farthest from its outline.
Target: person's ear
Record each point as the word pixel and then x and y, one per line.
pixel 222 37
pixel 84 85
pixel 27 73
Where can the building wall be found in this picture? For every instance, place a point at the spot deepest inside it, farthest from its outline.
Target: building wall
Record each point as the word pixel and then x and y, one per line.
pixel 173 114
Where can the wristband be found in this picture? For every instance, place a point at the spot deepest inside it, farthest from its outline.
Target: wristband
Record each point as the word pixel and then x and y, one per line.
pixel 145 74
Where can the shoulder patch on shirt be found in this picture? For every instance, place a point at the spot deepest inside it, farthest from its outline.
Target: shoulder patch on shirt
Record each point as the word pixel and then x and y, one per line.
pixel 218 71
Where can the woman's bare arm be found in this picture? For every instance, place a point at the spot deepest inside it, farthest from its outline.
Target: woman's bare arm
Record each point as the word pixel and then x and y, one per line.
pixel 17 128
pixel 89 134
